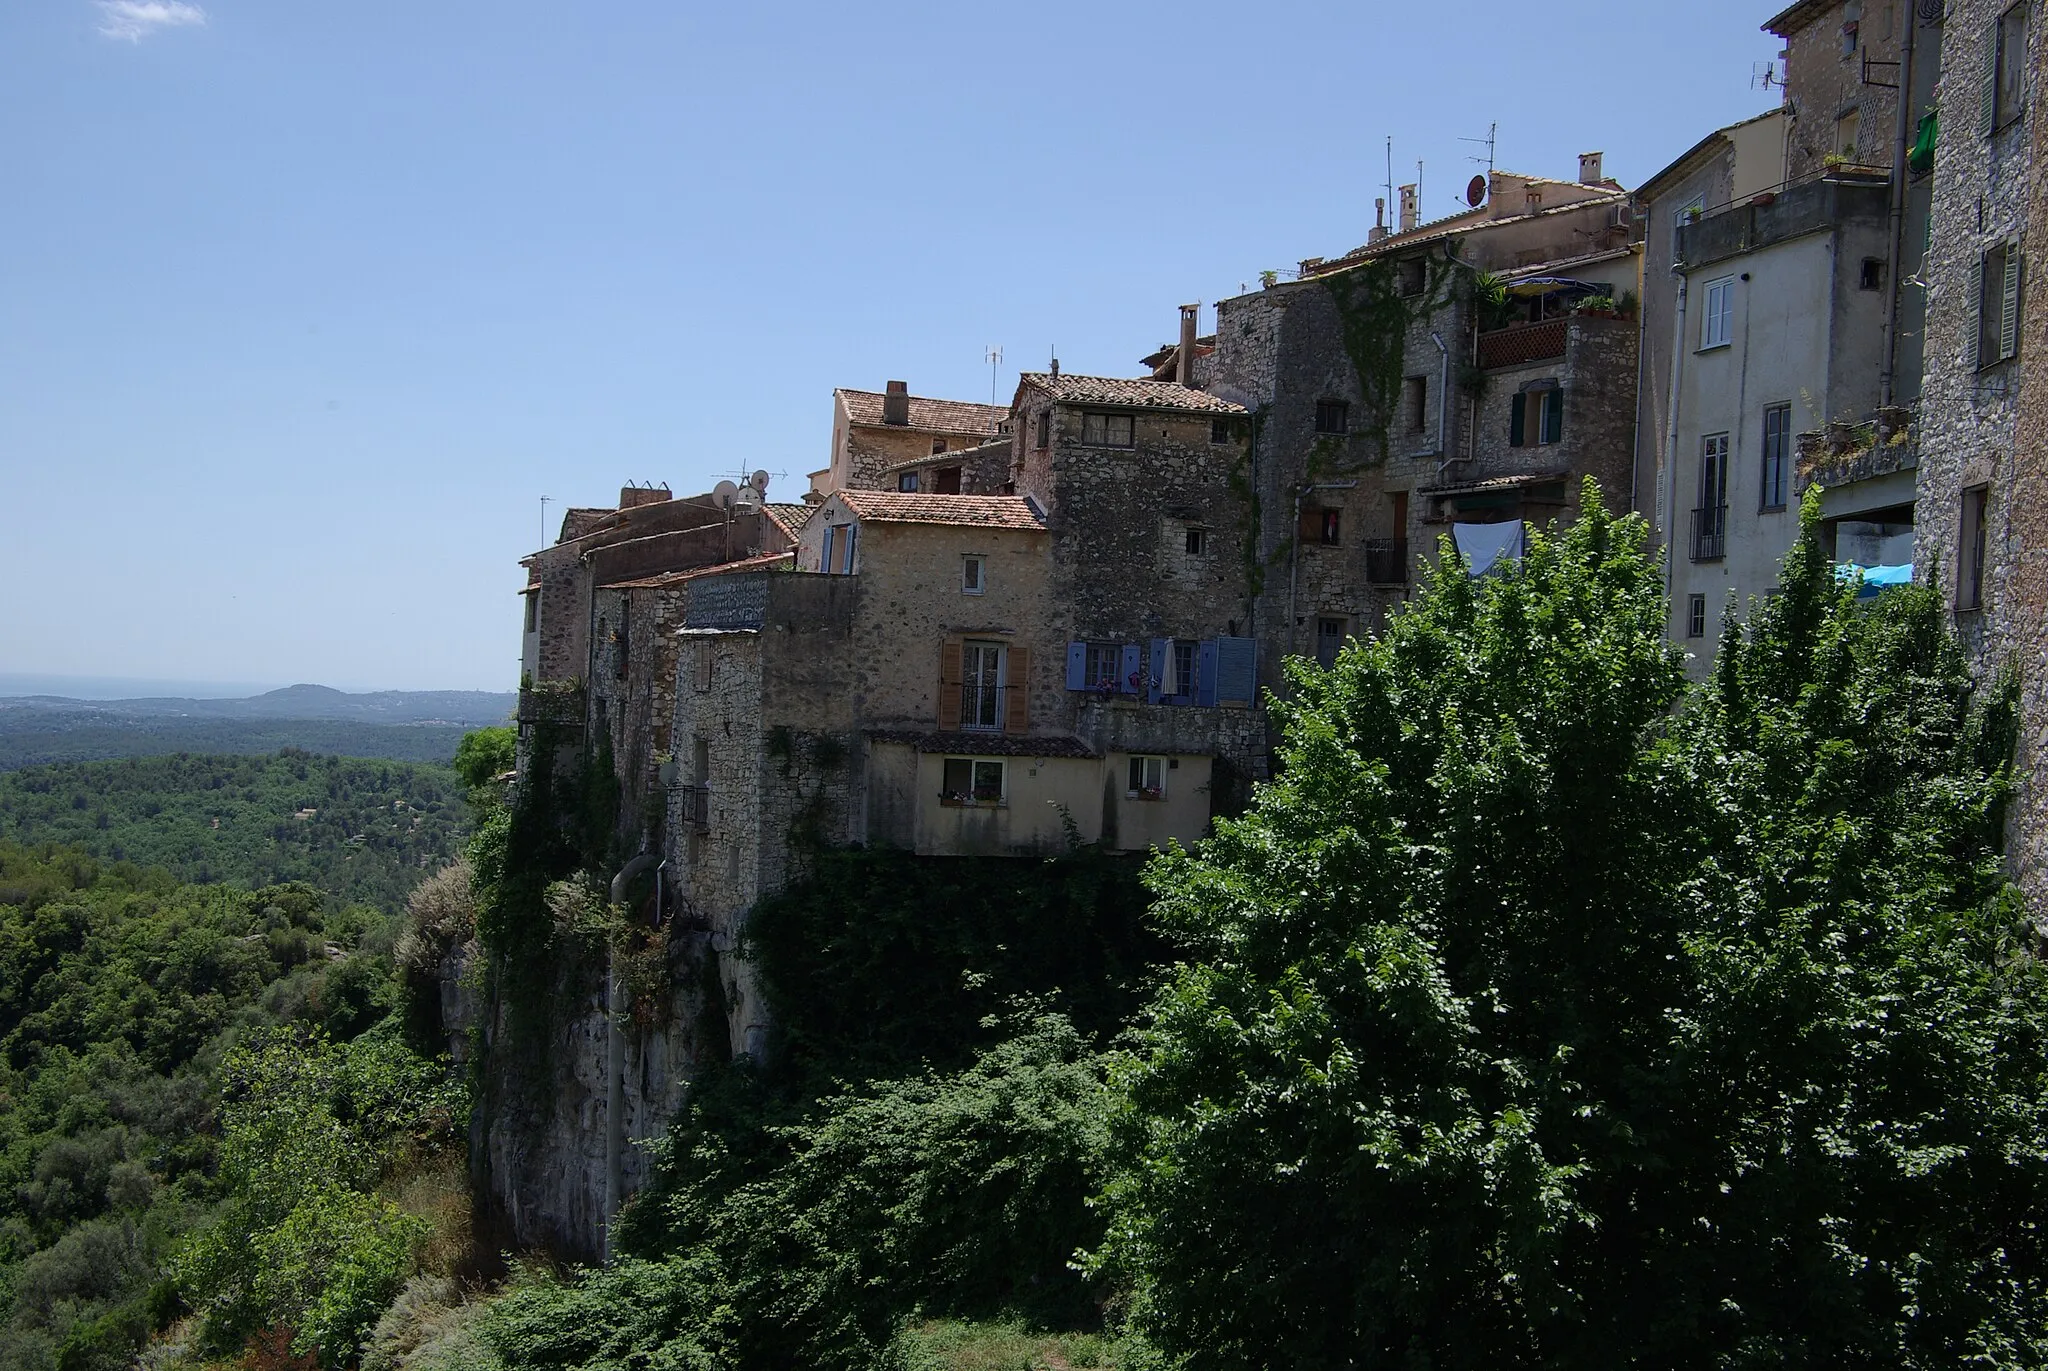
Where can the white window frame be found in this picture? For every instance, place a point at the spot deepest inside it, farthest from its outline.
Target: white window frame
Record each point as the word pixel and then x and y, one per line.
pixel 973 574
pixel 977 767
pixel 1689 212
pixel 1183 661
pixel 1717 322
pixel 1145 774
pixel 982 685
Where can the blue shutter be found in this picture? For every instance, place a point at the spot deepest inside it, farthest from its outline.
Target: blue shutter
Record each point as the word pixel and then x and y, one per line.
pixel 1130 666
pixel 1237 672
pixel 1553 416
pixel 1205 674
pixel 825 559
pixel 1077 666
pixel 1155 684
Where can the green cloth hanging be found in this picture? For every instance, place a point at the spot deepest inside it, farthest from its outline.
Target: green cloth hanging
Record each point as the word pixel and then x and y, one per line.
pixel 1921 158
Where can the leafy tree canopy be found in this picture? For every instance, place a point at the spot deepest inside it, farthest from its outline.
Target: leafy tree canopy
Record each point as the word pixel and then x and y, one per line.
pixel 1542 1014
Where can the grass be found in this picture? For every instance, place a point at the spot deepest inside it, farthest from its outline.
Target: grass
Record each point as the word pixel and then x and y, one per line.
pixel 946 1345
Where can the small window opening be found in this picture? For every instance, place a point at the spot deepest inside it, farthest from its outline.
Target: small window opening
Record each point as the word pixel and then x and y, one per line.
pixel 1333 416
pixel 1872 275
pixel 1695 616
pixel 973 575
pixel 1418 403
pixel 1148 779
pixel 1198 542
pixel 1330 634
pixel 1970 550
pixel 938 446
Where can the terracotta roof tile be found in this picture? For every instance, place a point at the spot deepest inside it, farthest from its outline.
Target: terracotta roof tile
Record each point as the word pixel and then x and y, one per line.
pixel 1112 390
pixel 984 744
pixel 791 518
pixel 676 578
pixel 939 459
pixel 973 511
pixel 937 416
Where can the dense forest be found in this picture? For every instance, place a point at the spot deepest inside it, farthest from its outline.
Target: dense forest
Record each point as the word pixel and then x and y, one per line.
pixel 37 739
pixel 360 831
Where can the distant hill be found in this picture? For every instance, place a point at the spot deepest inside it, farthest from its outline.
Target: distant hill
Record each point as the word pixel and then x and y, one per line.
pixel 365 831
pixel 402 725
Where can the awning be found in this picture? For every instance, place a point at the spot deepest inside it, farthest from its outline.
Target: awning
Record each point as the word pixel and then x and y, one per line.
pixel 1870 580
pixel 1482 546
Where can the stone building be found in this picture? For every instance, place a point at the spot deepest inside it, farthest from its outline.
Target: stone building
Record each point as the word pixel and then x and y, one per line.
pixel 872 433
pixel 1391 401
pixel 1982 529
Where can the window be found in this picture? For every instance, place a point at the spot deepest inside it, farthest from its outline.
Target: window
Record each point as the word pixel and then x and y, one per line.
pixel 1872 275
pixel 1550 409
pixel 533 611
pixel 1850 36
pixel 1970 551
pixel 938 446
pixel 1198 542
pixel 971 780
pixel 1148 779
pixel 973 574
pixel 1330 634
pixel 1998 305
pixel 1689 212
pixel 1540 408
pixel 1710 516
pixel 1108 430
pixel 837 557
pixel 1333 416
pixel 1104 669
pixel 981 685
pixel 1417 397
pixel 946 481
pixel 2006 69
pixel 704 665
pixel 1717 319
pixel 1323 527
pixel 1411 276
pixel 1183 682
pixel 1221 431
pixel 1847 124
pixel 1695 616
pixel 1043 427
pixel 907 483
pixel 1777 454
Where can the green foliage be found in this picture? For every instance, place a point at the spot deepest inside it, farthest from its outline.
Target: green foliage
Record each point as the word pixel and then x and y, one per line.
pixel 1526 1022
pixel 965 1193
pixel 367 829
pixel 119 991
pixel 481 757
pixel 1375 316
pixel 41 739
pixel 301 1243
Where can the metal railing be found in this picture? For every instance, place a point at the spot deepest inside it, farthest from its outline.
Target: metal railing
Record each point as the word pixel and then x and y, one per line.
pixel 1386 561
pixel 1710 533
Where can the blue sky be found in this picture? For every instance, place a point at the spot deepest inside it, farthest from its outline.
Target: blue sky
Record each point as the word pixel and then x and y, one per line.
pixel 303 306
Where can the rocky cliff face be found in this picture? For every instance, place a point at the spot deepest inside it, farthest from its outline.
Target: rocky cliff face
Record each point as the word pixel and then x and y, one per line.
pixel 539 1133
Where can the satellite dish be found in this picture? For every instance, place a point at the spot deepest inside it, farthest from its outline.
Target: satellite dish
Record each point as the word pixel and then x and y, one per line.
pixel 1475 193
pixel 723 493
pixel 760 482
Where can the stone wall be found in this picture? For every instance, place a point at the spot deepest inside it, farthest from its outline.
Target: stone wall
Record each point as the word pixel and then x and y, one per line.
pixel 1824 81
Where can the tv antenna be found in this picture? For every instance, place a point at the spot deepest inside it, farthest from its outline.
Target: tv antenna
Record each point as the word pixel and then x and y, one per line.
pixel 994 357
pixel 1764 76
pixel 545 501
pixel 1492 136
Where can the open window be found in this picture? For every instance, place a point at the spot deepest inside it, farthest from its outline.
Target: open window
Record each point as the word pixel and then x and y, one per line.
pixel 973 781
pixel 1147 779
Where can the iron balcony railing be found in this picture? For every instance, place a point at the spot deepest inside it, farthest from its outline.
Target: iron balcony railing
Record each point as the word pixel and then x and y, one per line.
pixel 1386 561
pixel 1710 533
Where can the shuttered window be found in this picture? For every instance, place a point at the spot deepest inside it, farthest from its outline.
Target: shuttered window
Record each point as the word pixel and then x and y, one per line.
pixel 1108 430
pixel 1518 422
pixel 1717 320
pixel 1996 295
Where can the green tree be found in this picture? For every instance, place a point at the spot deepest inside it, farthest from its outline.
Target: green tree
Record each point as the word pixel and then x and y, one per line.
pixel 481 758
pixel 1530 1019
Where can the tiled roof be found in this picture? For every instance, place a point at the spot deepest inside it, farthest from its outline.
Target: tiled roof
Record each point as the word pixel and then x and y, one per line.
pixel 676 578
pixel 984 744
pixel 1789 22
pixel 940 459
pixel 973 511
pixel 576 522
pixel 1113 390
pixel 1470 220
pixel 1527 478
pixel 791 518
pixel 938 416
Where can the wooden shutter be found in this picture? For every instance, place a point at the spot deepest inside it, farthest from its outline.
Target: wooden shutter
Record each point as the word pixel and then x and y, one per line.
pixel 1077 666
pixel 1973 337
pixel 1518 428
pixel 1310 529
pixel 1987 112
pixel 1017 697
pixel 949 686
pixel 1205 673
pixel 2008 306
pixel 1553 416
pixel 704 666
pixel 1236 671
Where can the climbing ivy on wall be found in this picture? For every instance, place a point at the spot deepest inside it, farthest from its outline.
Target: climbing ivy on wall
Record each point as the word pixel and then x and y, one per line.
pixel 1375 316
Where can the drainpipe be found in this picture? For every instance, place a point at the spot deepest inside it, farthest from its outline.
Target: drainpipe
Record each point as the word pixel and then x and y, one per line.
pixel 1671 440
pixel 615 1063
pixel 1443 406
pixel 1294 562
pixel 1886 379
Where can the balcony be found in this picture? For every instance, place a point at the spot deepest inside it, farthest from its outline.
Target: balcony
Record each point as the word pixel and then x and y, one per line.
pixel 1386 561
pixel 693 806
pixel 1710 533
pixel 552 702
pixel 1522 344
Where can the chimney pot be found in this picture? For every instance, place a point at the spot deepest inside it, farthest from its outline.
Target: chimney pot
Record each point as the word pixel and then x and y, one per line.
pixel 1411 209
pixel 896 403
pixel 1589 168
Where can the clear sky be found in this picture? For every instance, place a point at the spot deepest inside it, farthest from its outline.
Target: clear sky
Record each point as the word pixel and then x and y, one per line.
pixel 304 306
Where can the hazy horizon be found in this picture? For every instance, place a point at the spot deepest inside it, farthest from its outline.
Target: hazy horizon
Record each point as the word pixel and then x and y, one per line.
pixel 16 684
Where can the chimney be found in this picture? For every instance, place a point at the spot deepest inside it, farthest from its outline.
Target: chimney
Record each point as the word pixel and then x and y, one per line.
pixel 1055 368
pixel 1411 209
pixel 1379 219
pixel 1589 169
pixel 1190 316
pixel 896 403
pixel 632 497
